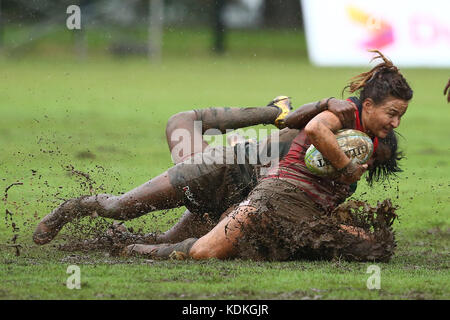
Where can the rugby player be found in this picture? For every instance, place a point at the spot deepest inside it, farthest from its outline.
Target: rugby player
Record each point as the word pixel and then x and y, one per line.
pixel 189 182
pixel 186 184
pixel 291 207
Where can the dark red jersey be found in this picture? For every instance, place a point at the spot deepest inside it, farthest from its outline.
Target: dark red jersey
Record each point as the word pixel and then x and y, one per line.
pixel 325 192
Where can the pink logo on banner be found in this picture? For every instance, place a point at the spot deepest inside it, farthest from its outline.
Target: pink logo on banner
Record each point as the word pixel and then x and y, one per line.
pixel 380 32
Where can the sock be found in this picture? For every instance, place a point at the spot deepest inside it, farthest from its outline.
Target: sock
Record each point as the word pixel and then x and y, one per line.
pixel 178 251
pixel 234 118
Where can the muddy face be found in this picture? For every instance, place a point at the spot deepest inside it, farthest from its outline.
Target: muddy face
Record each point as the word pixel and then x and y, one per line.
pixel 379 119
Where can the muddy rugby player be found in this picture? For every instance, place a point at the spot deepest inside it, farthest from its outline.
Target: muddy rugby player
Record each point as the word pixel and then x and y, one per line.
pixel 377 114
pixel 195 222
pixel 199 181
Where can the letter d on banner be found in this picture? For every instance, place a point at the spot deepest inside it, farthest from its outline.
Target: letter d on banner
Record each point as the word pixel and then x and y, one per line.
pixel 73 281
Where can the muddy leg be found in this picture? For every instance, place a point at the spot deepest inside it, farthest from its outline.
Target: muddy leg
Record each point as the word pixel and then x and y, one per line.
pixel 190 225
pixel 179 251
pixel 221 241
pixel 234 118
pixel 156 194
pixel 185 138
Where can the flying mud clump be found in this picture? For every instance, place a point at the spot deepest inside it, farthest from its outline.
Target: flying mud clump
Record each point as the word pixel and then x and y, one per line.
pixel 271 238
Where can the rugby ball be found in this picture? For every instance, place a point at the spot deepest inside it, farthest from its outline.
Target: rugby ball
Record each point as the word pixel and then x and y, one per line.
pixel 355 144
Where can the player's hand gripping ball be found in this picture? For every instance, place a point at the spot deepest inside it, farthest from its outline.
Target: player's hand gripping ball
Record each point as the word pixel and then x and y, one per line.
pixel 355 144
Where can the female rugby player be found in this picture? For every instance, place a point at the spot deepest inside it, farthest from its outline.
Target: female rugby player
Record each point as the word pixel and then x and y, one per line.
pixel 291 204
pixel 176 187
pixel 226 184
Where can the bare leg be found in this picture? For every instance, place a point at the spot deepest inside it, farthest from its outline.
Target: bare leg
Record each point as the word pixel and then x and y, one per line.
pixel 219 243
pixel 234 118
pixel 192 135
pixel 190 224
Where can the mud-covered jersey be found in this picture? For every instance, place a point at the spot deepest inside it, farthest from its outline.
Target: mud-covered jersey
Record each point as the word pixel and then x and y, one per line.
pixel 323 191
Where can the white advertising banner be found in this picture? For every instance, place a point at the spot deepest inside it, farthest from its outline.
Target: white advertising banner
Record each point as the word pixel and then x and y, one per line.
pixel 410 32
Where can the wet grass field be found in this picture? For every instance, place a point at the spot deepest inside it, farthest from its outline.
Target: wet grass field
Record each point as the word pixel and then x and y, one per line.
pixel 107 117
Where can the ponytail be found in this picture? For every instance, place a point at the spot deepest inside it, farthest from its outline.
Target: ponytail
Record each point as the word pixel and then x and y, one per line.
pixel 380 82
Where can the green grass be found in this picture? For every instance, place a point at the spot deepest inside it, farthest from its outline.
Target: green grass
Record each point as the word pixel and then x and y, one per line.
pixel 56 110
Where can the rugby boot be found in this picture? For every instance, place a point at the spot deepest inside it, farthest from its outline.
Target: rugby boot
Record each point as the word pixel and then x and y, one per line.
pixel 284 104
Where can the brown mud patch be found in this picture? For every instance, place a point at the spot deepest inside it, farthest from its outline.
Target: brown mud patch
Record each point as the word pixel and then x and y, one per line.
pixel 102 237
pixel 271 237
pixel 274 239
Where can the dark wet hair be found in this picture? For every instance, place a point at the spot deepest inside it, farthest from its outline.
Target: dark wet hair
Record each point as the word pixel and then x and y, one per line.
pixel 382 81
pixel 384 170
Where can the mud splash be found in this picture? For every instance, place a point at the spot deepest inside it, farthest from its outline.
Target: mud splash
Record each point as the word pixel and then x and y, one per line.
pixel 354 231
pixel 9 219
pixel 327 237
pixel 112 239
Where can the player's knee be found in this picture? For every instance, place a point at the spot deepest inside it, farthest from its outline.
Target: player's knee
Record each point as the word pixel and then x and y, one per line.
pixel 176 120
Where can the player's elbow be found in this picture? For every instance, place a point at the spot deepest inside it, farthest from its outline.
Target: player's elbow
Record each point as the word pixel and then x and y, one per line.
pixel 312 128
